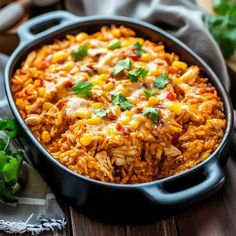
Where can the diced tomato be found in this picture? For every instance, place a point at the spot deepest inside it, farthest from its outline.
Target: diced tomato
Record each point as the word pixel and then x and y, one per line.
pixel 172 69
pixel 139 110
pixel 126 131
pixel 119 127
pixel 111 116
pixel 171 96
pixel 134 56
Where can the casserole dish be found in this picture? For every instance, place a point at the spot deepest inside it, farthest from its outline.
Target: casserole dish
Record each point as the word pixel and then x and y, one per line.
pixel 95 196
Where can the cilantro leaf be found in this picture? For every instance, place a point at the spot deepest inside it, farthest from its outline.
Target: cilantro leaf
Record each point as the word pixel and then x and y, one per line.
pixel 114 45
pixel 9 173
pixel 11 169
pixel 161 81
pixel 152 113
pixel 101 112
pixel 80 52
pixel 120 100
pixel 139 73
pixel 148 92
pixel 223 26
pixel 122 65
pixel 82 89
pixel 138 49
pixel 9 127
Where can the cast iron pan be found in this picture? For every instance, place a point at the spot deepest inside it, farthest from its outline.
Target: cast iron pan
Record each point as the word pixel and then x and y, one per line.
pixel 107 200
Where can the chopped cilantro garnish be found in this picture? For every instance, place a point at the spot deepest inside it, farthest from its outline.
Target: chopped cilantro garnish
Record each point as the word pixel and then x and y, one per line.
pixel 114 45
pixel 122 65
pixel 139 73
pixel 10 165
pixel 148 92
pixel 161 81
pixel 82 89
pixel 80 52
pixel 10 127
pixel 222 25
pixel 120 100
pixel 101 112
pixel 138 49
pixel 152 113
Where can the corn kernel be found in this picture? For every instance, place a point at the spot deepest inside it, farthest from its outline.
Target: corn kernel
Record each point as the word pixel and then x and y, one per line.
pixel 176 107
pixel 116 110
pixel 139 40
pixel 129 113
pixel 81 37
pixel 81 122
pixel 108 86
pixel 147 57
pixel 179 64
pixel 83 113
pixel 116 32
pixel 97 81
pixel 86 139
pixel 103 77
pixel 68 66
pixel 97 105
pixel 94 120
pixel 126 43
pixel 134 124
pixel 59 56
pixel 152 101
pixel 46 137
pixel 52 68
pixel 124 120
pixel 205 155
pixel 159 48
pixel 155 71
pixel 42 91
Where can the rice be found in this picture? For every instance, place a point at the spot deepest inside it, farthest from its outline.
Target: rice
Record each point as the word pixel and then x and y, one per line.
pixel 118 108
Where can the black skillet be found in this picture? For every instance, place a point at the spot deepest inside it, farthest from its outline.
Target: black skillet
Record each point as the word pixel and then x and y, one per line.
pixel 107 200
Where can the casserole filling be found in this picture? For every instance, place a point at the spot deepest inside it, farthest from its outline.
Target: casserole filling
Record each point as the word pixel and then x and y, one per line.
pixel 118 108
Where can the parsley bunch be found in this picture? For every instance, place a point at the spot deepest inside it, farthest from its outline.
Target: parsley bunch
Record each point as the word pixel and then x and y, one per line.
pixel 10 162
pixel 223 25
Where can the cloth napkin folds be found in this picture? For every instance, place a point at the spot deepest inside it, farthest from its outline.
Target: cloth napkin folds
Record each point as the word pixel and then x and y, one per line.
pixel 37 209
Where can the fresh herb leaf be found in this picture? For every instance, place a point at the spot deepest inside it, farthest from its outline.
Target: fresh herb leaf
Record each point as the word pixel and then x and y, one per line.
pixel 101 112
pixel 82 89
pixel 122 65
pixel 152 113
pixel 80 52
pixel 224 7
pixel 223 26
pixel 120 100
pixel 139 73
pixel 138 49
pixel 9 127
pixel 9 173
pixel 161 81
pixel 114 45
pixel 148 92
pixel 11 169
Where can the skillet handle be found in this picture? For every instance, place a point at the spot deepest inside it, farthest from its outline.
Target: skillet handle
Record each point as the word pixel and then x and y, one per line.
pixel 44 24
pixel 214 179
